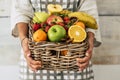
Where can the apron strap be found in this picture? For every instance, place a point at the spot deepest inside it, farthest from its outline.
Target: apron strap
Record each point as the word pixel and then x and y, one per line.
pixel 32 5
pixel 77 5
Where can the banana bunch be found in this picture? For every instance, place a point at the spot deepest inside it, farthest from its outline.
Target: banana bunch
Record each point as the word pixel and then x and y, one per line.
pixel 87 19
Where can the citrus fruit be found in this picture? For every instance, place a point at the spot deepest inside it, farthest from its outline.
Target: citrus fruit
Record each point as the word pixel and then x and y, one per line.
pixel 64 52
pixel 39 35
pixel 80 24
pixel 77 33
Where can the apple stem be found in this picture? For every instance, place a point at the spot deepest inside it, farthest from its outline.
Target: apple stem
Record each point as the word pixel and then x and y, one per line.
pixel 54 30
pixel 54 6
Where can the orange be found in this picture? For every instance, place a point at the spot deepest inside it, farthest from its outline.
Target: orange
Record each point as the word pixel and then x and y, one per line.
pixel 64 52
pixel 39 35
pixel 80 24
pixel 77 33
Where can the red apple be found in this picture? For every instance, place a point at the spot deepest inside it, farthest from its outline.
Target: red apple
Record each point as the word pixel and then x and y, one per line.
pixel 67 21
pixel 61 24
pixel 42 24
pixel 53 19
pixel 66 18
pixel 36 26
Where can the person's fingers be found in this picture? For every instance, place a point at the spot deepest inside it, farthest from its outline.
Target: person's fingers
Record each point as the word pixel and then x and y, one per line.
pixel 84 59
pixel 33 62
pixel 89 51
pixel 82 65
pixel 35 65
pixel 34 68
pixel 83 62
pixel 31 68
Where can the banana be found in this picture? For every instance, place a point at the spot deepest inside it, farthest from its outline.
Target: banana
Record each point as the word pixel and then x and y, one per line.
pixel 89 21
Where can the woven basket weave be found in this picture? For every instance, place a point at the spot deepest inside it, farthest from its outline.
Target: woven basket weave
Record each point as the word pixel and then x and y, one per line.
pixel 49 53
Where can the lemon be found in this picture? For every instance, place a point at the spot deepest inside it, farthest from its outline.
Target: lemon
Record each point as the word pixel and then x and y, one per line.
pixel 77 33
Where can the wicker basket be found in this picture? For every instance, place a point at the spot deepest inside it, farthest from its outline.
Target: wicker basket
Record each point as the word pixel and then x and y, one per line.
pixel 50 53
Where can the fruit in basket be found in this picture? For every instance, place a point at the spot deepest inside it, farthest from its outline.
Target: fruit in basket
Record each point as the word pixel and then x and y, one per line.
pixel 80 24
pixel 77 33
pixel 35 20
pixel 61 24
pixel 47 28
pixel 87 19
pixel 54 8
pixel 39 35
pixel 53 19
pixel 64 52
pixel 41 16
pixel 66 20
pixel 64 12
pixel 36 26
pixel 56 33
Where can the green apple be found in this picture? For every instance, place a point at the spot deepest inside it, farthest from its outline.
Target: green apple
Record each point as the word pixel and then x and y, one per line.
pixel 41 16
pixel 56 33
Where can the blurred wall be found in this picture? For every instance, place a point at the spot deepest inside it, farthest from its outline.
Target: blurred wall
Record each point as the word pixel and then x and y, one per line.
pixel 9 49
pixel 108 52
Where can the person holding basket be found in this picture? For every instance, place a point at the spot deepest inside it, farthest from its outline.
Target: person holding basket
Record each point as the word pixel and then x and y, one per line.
pixel 21 15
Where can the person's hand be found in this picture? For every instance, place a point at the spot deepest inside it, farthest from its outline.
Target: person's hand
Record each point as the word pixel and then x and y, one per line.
pixel 82 63
pixel 32 64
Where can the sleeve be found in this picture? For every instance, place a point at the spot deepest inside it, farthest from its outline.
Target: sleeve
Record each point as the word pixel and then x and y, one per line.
pixel 90 7
pixel 22 11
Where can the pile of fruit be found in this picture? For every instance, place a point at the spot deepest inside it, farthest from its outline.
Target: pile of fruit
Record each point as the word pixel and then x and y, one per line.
pixel 60 25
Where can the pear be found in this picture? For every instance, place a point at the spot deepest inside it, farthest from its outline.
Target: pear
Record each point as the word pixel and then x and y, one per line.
pixel 40 16
pixel 35 20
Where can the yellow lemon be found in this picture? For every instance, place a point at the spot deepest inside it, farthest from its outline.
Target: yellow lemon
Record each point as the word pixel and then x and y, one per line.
pixel 77 33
